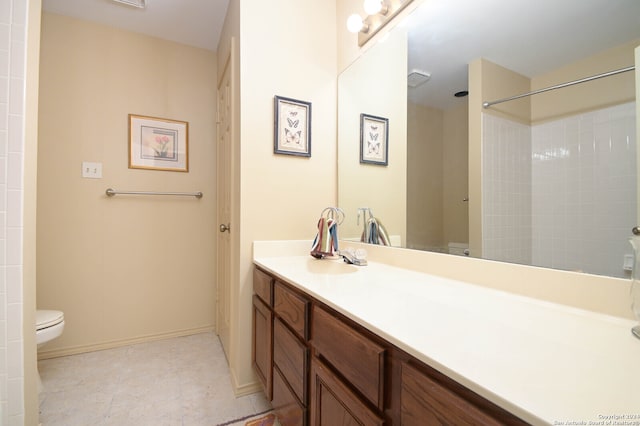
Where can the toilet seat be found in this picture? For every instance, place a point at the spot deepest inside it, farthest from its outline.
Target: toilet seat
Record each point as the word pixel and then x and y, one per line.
pixel 47 318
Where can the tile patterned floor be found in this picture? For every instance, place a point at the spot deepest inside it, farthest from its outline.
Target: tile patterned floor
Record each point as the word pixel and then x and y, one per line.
pixel 175 382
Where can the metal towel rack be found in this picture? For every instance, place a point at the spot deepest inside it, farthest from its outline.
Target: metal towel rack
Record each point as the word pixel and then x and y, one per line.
pixel 111 192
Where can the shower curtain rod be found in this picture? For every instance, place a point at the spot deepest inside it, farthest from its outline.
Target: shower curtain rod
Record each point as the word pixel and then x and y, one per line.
pixel 559 86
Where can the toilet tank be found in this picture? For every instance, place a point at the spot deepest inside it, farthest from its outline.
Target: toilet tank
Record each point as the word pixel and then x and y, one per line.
pixel 460 249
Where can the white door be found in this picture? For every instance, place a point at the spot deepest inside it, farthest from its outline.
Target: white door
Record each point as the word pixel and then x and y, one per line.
pixel 224 179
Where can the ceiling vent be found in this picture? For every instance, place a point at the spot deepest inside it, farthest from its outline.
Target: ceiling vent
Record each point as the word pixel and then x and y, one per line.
pixel 140 4
pixel 417 77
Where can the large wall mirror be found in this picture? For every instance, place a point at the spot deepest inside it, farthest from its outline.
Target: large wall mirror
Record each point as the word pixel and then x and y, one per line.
pixel 547 180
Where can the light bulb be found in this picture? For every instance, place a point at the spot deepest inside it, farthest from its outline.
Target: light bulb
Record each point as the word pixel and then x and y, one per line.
pixel 372 7
pixel 354 23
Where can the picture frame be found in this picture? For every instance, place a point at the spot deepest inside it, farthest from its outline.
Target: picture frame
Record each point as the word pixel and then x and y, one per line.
pixel 374 140
pixel 158 144
pixel 292 127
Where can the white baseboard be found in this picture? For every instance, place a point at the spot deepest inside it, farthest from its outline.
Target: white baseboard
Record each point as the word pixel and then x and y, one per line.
pixel 55 353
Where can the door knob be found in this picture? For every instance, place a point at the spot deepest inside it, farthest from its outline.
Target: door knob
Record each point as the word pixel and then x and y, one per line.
pixel 224 227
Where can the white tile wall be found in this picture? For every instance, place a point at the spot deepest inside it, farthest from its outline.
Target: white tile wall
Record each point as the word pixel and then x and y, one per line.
pixel 506 190
pixel 561 194
pixel 12 95
pixel 584 190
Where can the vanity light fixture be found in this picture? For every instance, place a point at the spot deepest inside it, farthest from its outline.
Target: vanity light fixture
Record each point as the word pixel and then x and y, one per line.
pixel 373 7
pixel 140 4
pixel 356 24
pixel 379 12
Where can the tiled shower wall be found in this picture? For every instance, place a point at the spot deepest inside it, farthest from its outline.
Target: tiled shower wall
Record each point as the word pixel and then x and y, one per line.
pixel 506 190
pixel 561 194
pixel 584 190
pixel 13 20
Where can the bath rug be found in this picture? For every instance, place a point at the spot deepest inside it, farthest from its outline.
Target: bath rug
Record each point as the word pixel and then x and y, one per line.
pixel 266 418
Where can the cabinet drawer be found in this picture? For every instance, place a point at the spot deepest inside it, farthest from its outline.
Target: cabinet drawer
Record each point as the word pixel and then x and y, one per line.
pixel 333 404
pixel 285 405
pixel 424 400
pixel 290 355
pixel 292 308
pixel 261 354
pixel 262 284
pixel 357 358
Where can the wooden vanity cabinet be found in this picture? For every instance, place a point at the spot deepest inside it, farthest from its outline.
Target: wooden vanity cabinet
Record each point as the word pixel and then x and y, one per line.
pixel 289 410
pixel 327 370
pixel 262 331
pixel 347 373
pixel 333 403
pixel 429 397
pixel 354 356
pixel 292 308
pixel 290 355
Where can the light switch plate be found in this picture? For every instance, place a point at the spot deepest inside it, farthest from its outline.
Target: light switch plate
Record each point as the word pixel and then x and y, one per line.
pixel 91 170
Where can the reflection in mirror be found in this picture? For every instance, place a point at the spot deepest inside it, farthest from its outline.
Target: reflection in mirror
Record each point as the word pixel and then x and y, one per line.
pixel 376 85
pixel 548 180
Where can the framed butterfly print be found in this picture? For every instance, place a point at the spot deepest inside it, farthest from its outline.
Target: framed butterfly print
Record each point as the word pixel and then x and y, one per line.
pixel 292 127
pixel 374 140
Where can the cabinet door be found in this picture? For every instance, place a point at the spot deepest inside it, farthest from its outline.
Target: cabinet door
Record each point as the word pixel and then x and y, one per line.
pixel 262 345
pixel 425 400
pixel 357 358
pixel 292 308
pixel 290 356
pixel 288 409
pixel 333 404
pixel 263 286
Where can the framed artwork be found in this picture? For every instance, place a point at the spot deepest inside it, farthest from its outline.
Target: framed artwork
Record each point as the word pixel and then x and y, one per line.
pixel 292 134
pixel 158 144
pixel 374 140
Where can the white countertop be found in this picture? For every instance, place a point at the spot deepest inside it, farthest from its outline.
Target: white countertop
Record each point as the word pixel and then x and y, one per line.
pixel 544 362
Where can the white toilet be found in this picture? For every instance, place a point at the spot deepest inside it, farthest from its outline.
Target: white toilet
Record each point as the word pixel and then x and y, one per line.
pixel 49 325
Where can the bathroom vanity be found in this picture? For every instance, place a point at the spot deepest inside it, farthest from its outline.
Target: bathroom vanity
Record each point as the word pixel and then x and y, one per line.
pixel 337 344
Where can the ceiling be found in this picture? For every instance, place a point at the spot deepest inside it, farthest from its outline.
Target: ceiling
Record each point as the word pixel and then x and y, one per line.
pixel 194 22
pixel 530 37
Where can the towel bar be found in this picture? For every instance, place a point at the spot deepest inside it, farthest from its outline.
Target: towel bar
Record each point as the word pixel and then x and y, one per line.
pixel 111 192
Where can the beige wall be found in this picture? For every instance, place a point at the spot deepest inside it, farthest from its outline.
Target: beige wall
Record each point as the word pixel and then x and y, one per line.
pixel 595 94
pixel 280 196
pixel 375 84
pixel 437 176
pixel 347 46
pixel 499 82
pixel 455 152
pixel 126 267
pixel 425 177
